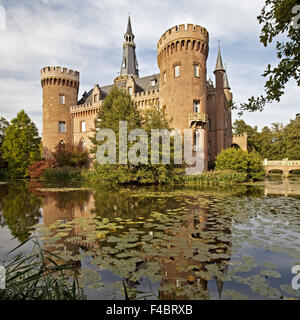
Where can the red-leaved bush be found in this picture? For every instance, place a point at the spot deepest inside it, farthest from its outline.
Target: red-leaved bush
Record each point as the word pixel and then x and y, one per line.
pixel 36 170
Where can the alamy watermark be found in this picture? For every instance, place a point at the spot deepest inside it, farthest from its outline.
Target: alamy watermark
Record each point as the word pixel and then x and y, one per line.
pixel 160 143
pixel 2 17
pixel 296 278
pixel 296 18
pixel 2 277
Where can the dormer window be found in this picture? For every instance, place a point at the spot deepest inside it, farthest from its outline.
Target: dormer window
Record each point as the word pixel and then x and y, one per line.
pixel 153 82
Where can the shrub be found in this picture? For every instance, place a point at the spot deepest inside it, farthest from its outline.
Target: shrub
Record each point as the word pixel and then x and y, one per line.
pixel 36 170
pixel 241 161
pixel 63 173
pixel 68 154
pixel 215 178
pixel 123 174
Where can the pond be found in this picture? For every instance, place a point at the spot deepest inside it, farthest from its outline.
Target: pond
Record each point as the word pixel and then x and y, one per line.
pixel 239 242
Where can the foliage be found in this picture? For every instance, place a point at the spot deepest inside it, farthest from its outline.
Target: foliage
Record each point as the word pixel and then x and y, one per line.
pixel 276 17
pixel 118 107
pixel 275 142
pixel 40 275
pixel 3 126
pixel 216 178
pixel 62 173
pixel 36 170
pixel 241 161
pixel 21 145
pixel 69 154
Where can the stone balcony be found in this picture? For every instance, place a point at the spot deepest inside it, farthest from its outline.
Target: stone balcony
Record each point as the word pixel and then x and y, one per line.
pixel 197 119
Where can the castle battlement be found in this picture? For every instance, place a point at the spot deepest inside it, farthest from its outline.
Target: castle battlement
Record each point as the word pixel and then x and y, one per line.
pixel 183 31
pixel 59 72
pixel 240 135
pixel 145 93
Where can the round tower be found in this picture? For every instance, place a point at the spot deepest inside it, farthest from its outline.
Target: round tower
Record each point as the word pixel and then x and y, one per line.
pixel 60 92
pixel 181 54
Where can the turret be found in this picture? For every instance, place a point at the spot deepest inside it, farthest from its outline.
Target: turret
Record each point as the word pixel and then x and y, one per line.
pixel 181 54
pixel 60 92
pixel 220 101
pixel 129 65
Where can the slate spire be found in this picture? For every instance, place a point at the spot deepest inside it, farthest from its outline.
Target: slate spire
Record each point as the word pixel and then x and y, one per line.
pixel 219 64
pixel 226 83
pixel 129 29
pixel 129 61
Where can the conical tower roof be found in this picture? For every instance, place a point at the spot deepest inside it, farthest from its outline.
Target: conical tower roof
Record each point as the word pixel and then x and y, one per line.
pixel 219 64
pixel 129 29
pixel 226 83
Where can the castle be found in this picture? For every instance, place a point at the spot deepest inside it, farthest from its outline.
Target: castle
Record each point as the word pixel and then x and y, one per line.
pixel 180 89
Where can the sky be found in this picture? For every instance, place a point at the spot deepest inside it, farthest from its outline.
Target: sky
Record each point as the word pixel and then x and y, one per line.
pixel 87 36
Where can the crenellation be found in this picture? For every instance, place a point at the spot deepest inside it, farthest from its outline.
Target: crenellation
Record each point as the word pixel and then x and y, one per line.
pixel 58 72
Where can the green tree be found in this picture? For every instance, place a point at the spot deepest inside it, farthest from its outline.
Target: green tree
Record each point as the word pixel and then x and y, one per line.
pixel 241 161
pixel 21 145
pixel 69 154
pixel 3 126
pixel 276 17
pixel 118 107
pixel 291 138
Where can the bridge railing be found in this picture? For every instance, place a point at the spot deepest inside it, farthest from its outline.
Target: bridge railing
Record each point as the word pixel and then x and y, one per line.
pixel 284 162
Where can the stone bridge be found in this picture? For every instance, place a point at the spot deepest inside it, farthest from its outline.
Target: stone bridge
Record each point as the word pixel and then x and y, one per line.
pixel 285 165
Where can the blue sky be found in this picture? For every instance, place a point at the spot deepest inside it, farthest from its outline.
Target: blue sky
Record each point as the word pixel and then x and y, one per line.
pixel 87 36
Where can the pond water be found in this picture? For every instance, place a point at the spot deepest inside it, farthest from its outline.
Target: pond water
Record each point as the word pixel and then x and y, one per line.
pixel 239 242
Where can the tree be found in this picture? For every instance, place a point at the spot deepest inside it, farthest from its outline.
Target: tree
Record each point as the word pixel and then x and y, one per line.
pixel 21 145
pixel 118 107
pixel 69 154
pixel 3 126
pixel 291 138
pixel 241 161
pixel 276 17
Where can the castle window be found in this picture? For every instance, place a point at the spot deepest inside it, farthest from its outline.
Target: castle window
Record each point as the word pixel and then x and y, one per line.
pixel 176 71
pixel 96 97
pixel 62 99
pixel 82 126
pixel 196 106
pixel 62 126
pixel 130 90
pixel 124 63
pixel 196 70
pixel 165 77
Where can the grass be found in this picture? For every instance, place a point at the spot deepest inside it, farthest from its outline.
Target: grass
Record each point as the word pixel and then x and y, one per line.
pixel 215 178
pixel 40 275
pixel 63 173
